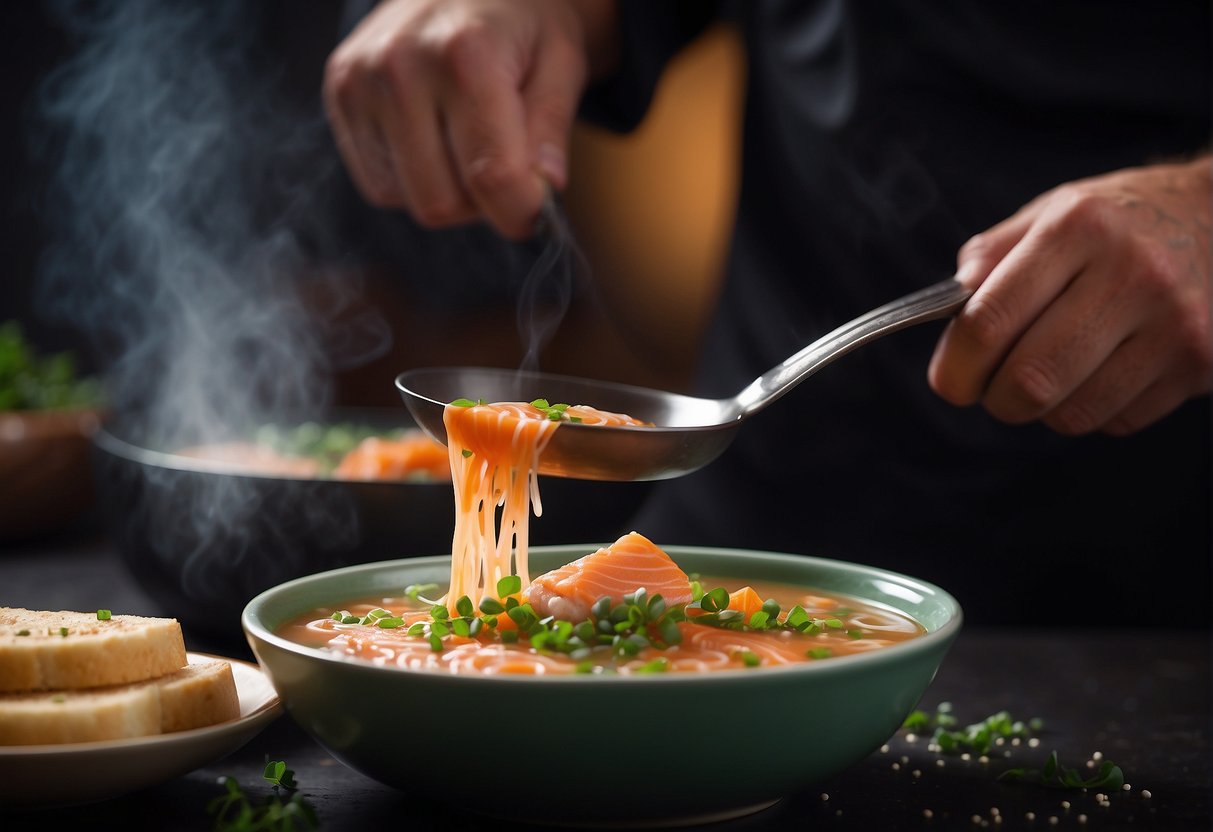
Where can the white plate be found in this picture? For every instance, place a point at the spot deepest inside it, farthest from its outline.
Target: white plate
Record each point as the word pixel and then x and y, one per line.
pixel 50 775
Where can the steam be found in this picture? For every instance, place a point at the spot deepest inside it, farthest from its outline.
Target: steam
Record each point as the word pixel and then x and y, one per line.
pixel 191 247
pixel 186 204
pixel 547 289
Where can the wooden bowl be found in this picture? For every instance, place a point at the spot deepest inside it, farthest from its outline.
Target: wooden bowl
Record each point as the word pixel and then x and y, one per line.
pixel 46 480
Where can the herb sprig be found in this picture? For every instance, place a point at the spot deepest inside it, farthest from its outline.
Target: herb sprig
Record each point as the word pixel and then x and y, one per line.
pixel 554 412
pixel 234 811
pixel 977 738
pixel 1056 776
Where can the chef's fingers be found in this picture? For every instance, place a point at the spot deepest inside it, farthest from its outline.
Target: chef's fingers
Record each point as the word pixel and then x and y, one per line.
pixel 550 97
pixel 1028 276
pixel 422 160
pixel 487 130
pixel 1155 402
pixel 351 105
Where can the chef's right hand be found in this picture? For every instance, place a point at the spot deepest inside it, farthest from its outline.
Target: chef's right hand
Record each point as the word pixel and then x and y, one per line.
pixel 459 110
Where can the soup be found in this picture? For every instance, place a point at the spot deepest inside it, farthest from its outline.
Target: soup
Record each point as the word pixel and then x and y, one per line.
pixel 625 609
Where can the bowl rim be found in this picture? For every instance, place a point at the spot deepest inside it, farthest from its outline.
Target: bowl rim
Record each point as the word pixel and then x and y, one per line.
pixel 941 637
pixel 110 439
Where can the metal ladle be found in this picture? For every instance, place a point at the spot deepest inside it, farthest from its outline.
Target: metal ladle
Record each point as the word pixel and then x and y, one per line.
pixel 687 432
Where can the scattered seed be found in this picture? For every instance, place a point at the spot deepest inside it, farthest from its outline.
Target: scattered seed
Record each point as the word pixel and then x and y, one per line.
pixel 884 749
pixel 1082 818
pixel 976 818
pixel 966 756
pixel 1052 820
pixel 1030 816
pixel 1065 804
pixel 911 738
pixel 1126 787
pixel 1146 794
pixel 825 796
pixel 1098 755
pixel 994 811
pixel 940 763
pixel 1014 740
pixel 1033 743
pixel 983 759
pixel 928 814
pixel 916 773
pixel 896 766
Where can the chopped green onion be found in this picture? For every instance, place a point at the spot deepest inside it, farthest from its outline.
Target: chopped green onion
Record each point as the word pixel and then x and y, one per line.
pixel 104 615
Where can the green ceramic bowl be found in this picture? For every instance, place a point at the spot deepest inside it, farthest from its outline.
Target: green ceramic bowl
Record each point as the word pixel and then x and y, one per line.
pixel 614 749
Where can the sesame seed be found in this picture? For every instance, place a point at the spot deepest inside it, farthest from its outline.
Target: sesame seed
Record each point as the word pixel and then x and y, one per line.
pixel 1065 804
pixel 1082 818
pixel 994 811
pixel 976 818
pixel 999 741
pixel 904 760
pixel 911 738
pixel 997 819
pixel 1052 820
pixel 884 749
pixel 1030 816
pixel 1098 755
pixel 896 766
pixel 983 759
pixel 1014 740
pixel 1033 743
pixel 1146 794
pixel 916 773
pixel 825 796
pixel 928 814
pixel 838 813
pixel 1100 797
pixel 1090 764
pixel 966 756
pixel 1126 787
pixel 940 763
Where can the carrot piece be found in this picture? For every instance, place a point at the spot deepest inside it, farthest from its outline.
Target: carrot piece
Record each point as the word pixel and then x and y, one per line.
pixel 746 600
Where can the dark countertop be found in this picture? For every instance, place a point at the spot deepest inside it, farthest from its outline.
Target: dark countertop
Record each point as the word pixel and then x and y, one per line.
pixel 1140 695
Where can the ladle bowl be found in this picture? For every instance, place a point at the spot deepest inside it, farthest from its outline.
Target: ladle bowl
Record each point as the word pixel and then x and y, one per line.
pixel 687 432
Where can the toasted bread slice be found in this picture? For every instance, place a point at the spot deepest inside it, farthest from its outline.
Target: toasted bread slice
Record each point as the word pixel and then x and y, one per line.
pixel 71 650
pixel 194 696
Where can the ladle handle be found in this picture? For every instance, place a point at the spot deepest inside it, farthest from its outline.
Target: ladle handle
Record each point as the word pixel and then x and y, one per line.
pixel 936 301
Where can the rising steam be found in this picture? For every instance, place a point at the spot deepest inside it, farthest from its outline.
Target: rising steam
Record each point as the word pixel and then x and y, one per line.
pixel 187 213
pixel 189 243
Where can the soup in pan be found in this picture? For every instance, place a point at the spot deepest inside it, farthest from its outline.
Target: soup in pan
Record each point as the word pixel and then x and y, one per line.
pixel 624 609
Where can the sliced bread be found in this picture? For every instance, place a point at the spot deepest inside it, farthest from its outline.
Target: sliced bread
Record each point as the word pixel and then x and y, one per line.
pixel 72 650
pixel 196 695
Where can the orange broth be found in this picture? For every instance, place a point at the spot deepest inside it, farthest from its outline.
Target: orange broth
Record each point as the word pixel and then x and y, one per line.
pixel 863 627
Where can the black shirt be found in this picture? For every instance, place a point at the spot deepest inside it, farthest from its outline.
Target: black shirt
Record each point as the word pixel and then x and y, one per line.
pixel 878 137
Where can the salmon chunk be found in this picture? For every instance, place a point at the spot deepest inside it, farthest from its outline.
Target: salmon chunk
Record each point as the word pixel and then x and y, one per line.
pixel 630 563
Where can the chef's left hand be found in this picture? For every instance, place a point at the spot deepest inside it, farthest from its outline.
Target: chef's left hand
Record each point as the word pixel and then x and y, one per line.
pixel 1092 305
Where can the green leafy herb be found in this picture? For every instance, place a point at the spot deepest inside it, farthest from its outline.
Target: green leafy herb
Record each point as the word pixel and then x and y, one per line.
pixel 104 615
pixel 1056 776
pixel 509 585
pixel 234 811
pixel 29 381
pixel 554 412
pixel 415 592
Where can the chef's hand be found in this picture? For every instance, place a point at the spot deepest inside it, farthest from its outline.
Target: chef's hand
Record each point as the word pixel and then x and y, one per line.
pixel 457 110
pixel 1092 305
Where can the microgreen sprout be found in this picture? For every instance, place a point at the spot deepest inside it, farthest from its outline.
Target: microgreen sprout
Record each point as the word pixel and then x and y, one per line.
pixel 104 615
pixel 235 812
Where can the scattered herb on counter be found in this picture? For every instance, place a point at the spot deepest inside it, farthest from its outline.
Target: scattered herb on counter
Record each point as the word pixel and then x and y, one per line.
pixel 235 812
pixel 977 738
pixel 104 615
pixel 29 381
pixel 981 736
pixel 1056 776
